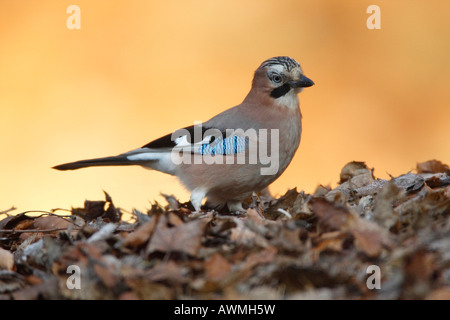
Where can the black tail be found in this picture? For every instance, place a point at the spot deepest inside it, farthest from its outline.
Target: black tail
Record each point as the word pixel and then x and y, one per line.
pixel 107 161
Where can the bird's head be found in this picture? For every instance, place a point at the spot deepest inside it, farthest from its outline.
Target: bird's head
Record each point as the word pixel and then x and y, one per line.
pixel 280 78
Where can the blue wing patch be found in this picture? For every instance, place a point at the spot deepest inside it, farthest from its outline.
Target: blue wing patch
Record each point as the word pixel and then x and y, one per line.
pixel 231 145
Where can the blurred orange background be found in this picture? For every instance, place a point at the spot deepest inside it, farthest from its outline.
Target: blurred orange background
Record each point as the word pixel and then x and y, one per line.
pixel 137 70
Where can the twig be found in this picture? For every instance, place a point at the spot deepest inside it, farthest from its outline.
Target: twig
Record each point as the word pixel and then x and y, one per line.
pixel 8 210
pixel 34 230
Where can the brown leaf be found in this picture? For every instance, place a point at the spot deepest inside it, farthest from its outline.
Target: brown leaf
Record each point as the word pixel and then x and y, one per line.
pixel 10 281
pixel 174 220
pixel 369 236
pixel 330 217
pixel 169 271
pixel 352 169
pixel 104 268
pixel 217 267
pixel 241 234
pixel 384 213
pixel 94 209
pixel 184 238
pixel 141 234
pixel 6 259
pixel 432 166
pixel 265 256
pixel 256 217
pixel 12 222
pixel 329 241
pixel 435 180
pixel 173 202
pixel 369 241
pixel 419 271
pixel 148 290
pixel 53 222
pixel 440 294
pixel 284 202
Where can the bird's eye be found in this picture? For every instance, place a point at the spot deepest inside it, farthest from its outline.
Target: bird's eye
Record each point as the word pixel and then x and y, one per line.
pixel 276 78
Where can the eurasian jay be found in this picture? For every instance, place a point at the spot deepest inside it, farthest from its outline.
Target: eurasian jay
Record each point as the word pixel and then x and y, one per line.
pixel 227 158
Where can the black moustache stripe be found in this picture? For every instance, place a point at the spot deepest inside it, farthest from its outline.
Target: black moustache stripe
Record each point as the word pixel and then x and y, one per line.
pixel 280 91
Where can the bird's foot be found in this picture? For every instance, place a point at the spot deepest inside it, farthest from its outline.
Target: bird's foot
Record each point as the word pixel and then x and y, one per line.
pixel 236 208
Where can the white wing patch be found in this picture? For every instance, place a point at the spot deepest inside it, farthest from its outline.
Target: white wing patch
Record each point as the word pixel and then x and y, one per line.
pixel 183 142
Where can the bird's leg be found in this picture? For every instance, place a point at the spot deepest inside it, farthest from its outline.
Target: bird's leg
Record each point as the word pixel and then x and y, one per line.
pixel 197 196
pixel 235 206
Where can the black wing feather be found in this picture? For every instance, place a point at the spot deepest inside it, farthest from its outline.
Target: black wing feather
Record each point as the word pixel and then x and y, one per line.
pixel 168 141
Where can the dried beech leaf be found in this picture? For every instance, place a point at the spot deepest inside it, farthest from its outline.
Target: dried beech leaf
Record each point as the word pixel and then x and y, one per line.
pixel 169 271
pixel 384 213
pixel 353 169
pixel 184 238
pixel 141 234
pixel 409 182
pixel 298 246
pixel 6 259
pixel 330 217
pixel 432 166
pixel 217 267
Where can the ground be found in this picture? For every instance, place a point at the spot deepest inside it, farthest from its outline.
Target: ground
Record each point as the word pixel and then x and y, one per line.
pixel 368 238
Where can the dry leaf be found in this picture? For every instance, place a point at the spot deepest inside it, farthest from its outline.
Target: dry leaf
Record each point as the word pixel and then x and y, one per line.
pixel 432 166
pixel 170 271
pixel 384 213
pixel 400 225
pixel 141 234
pixel 330 217
pixel 6 259
pixel 352 169
pixel 329 241
pixel 217 267
pixel 370 241
pixel 184 238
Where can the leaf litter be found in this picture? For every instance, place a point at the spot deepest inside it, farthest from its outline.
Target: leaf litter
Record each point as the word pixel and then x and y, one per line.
pixel 298 246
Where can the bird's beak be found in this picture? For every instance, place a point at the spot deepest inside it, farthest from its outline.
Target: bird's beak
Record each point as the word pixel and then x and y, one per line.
pixel 303 82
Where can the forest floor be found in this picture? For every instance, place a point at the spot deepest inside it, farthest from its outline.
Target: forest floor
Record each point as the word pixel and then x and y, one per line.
pixel 367 238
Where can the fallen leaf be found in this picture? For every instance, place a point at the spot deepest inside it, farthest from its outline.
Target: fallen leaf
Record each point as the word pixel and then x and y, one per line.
pixel 19 222
pixel 432 166
pixel 369 240
pixel 440 294
pixel 95 209
pixel 169 271
pixel 384 213
pixel 173 202
pixel 217 267
pixel 141 234
pixel 104 233
pixel 353 169
pixel 330 217
pixel 184 238
pixel 10 281
pixel 6 259
pixel 409 182
pixel 435 180
pixel 328 241
pixel 265 256
pixel 241 234
pixel 51 222
pixel 419 269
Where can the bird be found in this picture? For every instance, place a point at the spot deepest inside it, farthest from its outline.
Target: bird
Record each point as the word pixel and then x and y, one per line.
pixel 225 159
